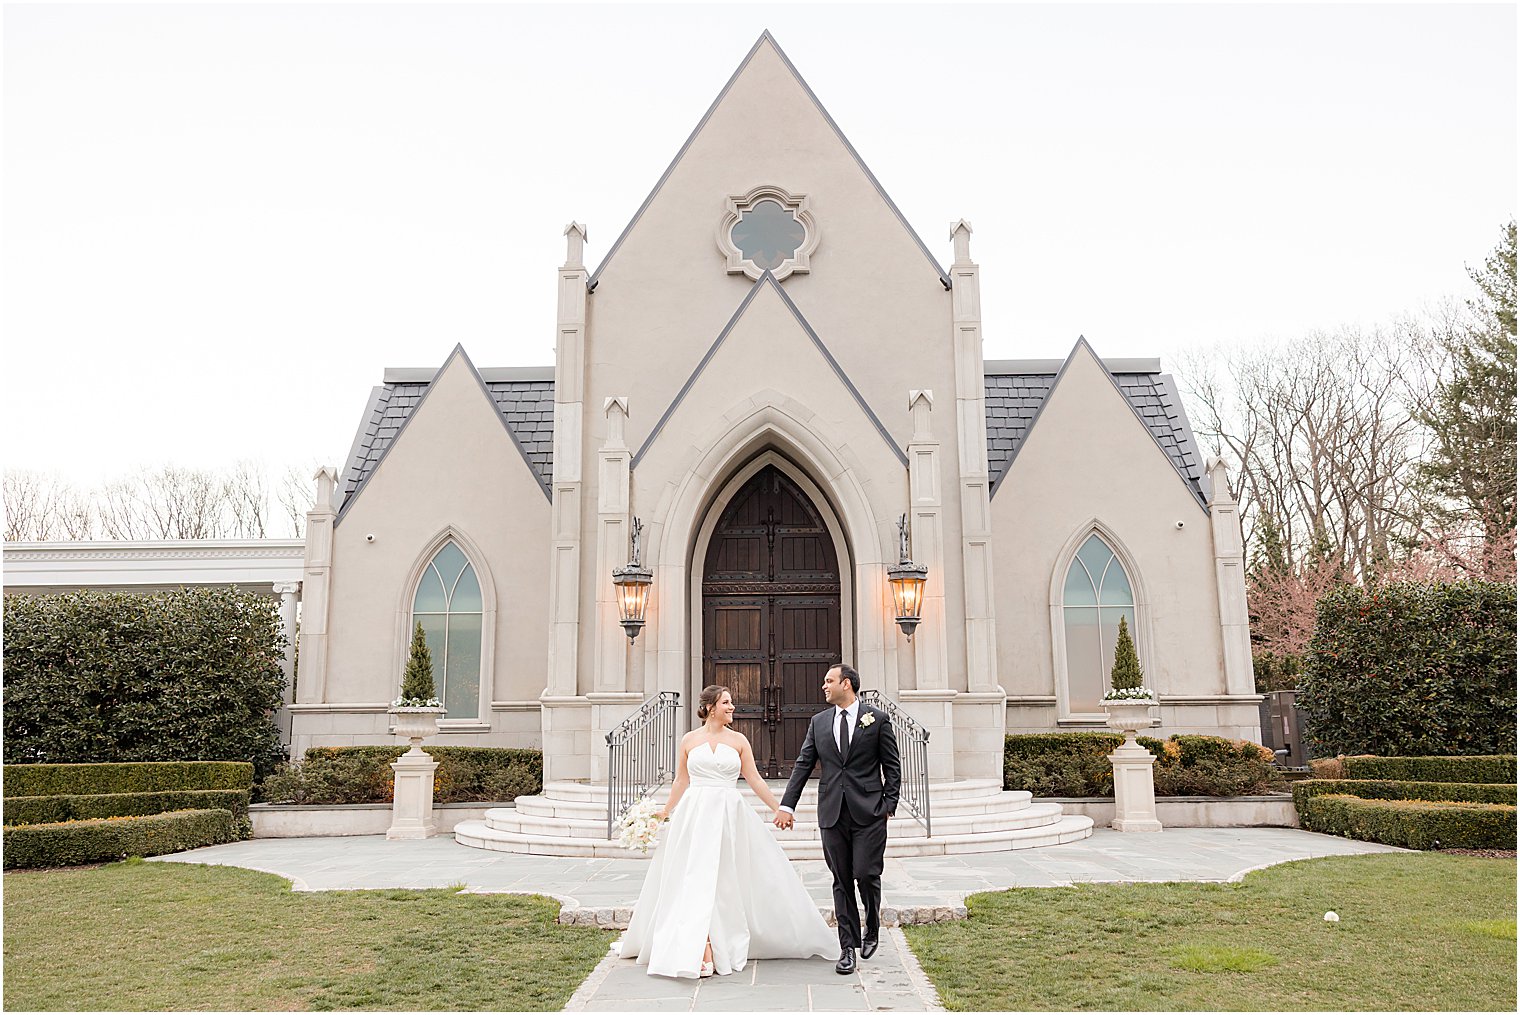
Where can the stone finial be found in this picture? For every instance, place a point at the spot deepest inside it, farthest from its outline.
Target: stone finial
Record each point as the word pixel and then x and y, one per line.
pixel 327 483
pixel 1218 474
pixel 616 410
pixel 921 404
pixel 575 245
pixel 960 232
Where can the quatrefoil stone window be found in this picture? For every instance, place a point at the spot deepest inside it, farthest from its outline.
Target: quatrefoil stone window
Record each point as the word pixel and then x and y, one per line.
pixel 770 230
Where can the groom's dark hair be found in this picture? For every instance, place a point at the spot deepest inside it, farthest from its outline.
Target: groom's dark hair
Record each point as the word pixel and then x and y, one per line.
pixel 848 672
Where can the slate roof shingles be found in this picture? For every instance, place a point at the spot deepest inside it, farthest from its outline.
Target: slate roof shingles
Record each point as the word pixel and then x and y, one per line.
pixel 521 404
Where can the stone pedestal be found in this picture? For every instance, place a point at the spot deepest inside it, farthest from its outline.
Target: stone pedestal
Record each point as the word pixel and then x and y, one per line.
pixel 412 813
pixel 1134 768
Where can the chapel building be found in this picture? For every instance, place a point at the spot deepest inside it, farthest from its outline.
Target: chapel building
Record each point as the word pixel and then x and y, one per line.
pixel 767 370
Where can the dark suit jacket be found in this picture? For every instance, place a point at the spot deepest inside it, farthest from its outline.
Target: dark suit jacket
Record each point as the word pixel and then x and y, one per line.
pixel 867 781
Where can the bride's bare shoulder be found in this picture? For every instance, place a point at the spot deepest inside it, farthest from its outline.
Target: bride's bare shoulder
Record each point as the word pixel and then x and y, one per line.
pixel 737 739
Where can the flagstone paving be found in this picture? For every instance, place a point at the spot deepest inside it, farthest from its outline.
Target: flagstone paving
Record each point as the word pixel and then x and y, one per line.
pixel 604 890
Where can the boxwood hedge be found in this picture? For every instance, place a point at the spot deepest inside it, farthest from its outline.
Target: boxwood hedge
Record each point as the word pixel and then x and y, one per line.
pixel 1412 669
pixel 1495 768
pixel 70 843
pixel 1076 765
pixel 1414 824
pixel 36 810
pixel 1387 789
pixel 167 676
pixel 361 775
pixel 126 777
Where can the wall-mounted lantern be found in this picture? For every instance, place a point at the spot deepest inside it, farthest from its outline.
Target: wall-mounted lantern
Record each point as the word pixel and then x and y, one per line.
pixel 632 581
pixel 907 581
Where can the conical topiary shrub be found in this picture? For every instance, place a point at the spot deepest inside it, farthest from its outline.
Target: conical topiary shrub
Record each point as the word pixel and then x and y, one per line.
pixel 417 682
pixel 1126 678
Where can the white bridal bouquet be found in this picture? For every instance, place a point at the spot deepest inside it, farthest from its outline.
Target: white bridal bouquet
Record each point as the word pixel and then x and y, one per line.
pixel 639 825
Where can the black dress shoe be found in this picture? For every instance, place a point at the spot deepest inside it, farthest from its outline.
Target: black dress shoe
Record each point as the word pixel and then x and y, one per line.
pixel 868 948
pixel 846 964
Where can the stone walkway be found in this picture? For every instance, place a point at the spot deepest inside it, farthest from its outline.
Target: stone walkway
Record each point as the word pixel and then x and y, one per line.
pixel 916 889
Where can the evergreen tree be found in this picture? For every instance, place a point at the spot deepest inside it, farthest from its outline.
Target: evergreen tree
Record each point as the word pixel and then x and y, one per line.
pixel 417 682
pixel 1472 414
pixel 1126 672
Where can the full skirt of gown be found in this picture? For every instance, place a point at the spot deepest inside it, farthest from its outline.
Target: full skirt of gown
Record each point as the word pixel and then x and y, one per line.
pixel 719 873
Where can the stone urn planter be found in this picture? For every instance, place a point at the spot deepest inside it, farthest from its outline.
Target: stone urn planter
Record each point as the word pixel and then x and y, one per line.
pixel 416 724
pixel 412 812
pixel 1129 716
pixel 1134 766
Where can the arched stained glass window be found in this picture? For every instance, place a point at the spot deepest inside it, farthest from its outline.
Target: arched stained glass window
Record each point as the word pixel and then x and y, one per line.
pixel 448 606
pixel 1096 594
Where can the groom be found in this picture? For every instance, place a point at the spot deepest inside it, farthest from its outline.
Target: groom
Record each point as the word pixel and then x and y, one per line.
pixel 857 793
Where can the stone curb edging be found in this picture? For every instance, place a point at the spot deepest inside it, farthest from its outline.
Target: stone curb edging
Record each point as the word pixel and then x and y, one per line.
pixel 617 917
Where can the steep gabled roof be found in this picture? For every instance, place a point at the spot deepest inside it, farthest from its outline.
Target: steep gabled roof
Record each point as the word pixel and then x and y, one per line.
pixel 523 396
pixel 1016 391
pixel 767 39
pixel 767 279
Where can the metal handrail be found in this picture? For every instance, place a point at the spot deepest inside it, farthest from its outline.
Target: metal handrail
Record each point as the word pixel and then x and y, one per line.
pixel 913 756
pixel 641 754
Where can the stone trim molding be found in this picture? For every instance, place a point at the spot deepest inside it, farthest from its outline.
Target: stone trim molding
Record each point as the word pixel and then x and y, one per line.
pixel 169 563
pixel 738 204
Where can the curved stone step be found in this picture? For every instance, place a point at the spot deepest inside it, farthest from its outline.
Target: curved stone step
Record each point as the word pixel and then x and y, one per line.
pixel 1067 828
pixel 516 821
pixel 562 790
pixel 590 810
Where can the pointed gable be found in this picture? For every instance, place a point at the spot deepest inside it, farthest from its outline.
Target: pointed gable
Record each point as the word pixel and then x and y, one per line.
pixel 765 115
pixel 1016 392
pixel 522 397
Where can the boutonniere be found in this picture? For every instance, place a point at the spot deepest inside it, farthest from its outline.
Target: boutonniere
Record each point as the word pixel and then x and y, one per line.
pixel 867 719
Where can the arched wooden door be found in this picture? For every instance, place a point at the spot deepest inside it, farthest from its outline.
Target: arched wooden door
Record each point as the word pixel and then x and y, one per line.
pixel 770 614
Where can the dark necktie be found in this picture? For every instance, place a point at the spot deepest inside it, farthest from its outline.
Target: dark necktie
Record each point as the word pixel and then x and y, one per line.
pixel 844 733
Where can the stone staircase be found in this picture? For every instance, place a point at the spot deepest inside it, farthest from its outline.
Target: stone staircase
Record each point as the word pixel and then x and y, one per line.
pixel 969 816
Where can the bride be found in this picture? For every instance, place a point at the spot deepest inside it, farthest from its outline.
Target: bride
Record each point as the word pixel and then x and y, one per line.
pixel 719 890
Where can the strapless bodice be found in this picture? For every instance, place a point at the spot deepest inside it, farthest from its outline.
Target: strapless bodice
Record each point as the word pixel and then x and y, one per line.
pixel 713 765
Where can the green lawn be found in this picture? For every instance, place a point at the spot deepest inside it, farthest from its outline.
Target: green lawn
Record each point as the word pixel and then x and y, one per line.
pixel 1418 931
pixel 160 936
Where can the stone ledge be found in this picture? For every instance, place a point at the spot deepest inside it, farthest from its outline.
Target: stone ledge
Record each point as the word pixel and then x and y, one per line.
pixel 297 821
pixel 1272 810
pixel 617 917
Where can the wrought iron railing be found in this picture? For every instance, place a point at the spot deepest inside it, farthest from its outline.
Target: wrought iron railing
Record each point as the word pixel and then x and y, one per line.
pixel 641 754
pixel 913 756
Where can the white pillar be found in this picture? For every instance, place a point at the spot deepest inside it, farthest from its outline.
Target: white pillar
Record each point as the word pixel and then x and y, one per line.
pixel 287 592
pixel 1230 581
pixel 316 581
pixel 564 714
pixel 981 711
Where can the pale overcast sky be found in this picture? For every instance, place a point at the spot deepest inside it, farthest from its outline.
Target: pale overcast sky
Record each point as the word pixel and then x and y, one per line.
pixel 221 223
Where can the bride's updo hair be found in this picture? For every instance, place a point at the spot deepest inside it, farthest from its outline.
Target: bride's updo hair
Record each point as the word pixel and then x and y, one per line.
pixel 709 699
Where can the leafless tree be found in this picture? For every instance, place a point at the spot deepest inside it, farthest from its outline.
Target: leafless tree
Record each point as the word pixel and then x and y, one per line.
pixel 245 494
pixel 1322 439
pixel 28 505
pixel 296 494
pixel 168 502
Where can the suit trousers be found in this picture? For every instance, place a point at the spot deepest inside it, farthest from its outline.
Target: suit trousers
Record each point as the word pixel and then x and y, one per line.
pixel 854 853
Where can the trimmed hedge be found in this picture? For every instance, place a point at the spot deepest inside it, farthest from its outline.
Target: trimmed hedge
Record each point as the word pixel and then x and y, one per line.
pixel 1076 765
pixel 1413 824
pixel 70 843
pixel 38 810
pixel 1412 668
pixel 1387 789
pixel 126 777
pixel 1498 768
pixel 362 775
pixel 99 676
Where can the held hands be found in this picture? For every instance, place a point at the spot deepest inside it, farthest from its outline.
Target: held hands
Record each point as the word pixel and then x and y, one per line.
pixel 783 820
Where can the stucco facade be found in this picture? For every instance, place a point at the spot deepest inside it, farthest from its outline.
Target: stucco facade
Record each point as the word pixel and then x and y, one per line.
pixel 833 363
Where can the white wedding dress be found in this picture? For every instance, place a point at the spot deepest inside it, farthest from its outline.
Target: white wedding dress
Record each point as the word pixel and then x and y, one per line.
pixel 719 873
